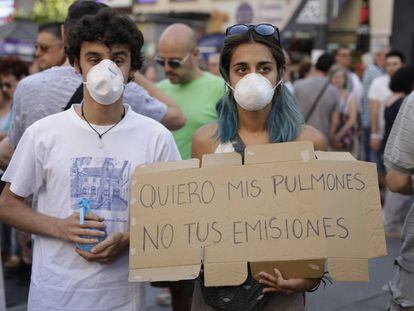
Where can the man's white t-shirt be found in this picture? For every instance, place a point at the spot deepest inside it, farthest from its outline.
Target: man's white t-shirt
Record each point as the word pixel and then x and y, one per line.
pixel 60 158
pixel 380 91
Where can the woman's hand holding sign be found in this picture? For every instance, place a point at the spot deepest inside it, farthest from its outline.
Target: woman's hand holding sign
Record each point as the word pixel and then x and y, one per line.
pixel 276 283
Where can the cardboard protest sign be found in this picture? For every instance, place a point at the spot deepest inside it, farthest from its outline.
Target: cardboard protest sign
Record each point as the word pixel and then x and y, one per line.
pixel 283 208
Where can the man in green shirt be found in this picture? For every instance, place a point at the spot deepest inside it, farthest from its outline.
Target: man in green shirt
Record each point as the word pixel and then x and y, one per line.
pixel 195 91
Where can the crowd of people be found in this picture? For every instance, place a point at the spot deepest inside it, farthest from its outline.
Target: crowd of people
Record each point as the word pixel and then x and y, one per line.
pixel 89 106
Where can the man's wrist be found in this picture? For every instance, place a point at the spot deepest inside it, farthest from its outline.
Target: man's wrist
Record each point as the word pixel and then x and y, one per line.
pixel 56 228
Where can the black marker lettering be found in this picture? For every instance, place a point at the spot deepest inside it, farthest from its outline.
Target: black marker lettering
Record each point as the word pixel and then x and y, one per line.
pixel 343 227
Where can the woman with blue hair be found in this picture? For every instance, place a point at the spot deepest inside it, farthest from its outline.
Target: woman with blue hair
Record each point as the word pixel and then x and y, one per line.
pixel 256 109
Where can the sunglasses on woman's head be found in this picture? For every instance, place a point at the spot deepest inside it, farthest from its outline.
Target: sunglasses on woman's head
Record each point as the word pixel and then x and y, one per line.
pixel 264 30
pixel 173 63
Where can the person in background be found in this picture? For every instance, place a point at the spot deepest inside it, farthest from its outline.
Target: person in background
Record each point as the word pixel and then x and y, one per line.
pixel 396 205
pixel 5 235
pixel 373 71
pixel 287 76
pixel 304 69
pixel 343 59
pixel 213 62
pixel 316 97
pixel 196 92
pixel 343 132
pixel 150 73
pixel 378 94
pixel 253 63
pixel 12 71
pixel 49 46
pixel 16 243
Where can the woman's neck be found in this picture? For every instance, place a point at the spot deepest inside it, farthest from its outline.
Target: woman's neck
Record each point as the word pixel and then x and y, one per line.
pixel 252 125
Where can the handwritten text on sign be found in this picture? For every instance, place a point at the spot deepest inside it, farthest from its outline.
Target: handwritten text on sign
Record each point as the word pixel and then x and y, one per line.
pixel 207 196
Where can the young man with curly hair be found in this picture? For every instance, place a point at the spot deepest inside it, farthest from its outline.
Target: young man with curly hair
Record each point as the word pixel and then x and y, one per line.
pixel 81 160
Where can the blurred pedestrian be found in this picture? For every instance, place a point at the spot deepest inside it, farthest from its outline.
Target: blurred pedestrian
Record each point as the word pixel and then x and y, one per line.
pixel 343 133
pixel 213 63
pixel 343 59
pixel 12 71
pixel 196 93
pixel 317 98
pixel 150 73
pixel 49 46
pixel 373 71
pixel 378 94
pixel 16 243
pixel 304 69
pixel 396 206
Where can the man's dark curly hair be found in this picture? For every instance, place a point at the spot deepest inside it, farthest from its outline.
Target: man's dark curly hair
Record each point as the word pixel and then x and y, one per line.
pixel 109 28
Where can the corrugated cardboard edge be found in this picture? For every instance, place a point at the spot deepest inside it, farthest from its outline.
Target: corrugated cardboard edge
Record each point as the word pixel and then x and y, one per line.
pixel 313 268
pixel 334 156
pixel 302 151
pixel 221 159
pixel 166 166
pixel 225 274
pixel 187 272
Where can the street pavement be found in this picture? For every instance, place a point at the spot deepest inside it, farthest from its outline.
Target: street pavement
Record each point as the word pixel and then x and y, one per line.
pixel 345 296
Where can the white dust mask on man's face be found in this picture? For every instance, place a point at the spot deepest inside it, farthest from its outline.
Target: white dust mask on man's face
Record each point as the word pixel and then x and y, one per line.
pixel 105 82
pixel 254 92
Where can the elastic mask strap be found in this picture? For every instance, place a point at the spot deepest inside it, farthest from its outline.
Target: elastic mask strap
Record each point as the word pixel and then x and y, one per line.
pixel 279 83
pixel 229 86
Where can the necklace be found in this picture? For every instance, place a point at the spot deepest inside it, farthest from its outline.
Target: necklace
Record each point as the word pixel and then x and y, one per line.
pixel 100 135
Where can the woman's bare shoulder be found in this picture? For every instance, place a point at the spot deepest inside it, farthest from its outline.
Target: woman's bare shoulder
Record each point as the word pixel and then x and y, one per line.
pixel 310 133
pixel 204 140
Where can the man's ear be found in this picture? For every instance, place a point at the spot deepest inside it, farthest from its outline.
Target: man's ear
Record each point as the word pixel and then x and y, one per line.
pixel 131 76
pixel 62 33
pixel 196 52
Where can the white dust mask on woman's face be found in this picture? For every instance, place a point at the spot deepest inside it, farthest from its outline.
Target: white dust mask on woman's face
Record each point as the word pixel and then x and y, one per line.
pixel 254 92
pixel 105 82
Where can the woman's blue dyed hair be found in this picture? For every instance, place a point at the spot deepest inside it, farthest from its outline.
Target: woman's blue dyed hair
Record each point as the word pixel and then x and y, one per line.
pixel 284 120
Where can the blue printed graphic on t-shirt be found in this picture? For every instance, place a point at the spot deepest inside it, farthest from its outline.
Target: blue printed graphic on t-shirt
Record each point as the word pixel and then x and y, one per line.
pixel 103 181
